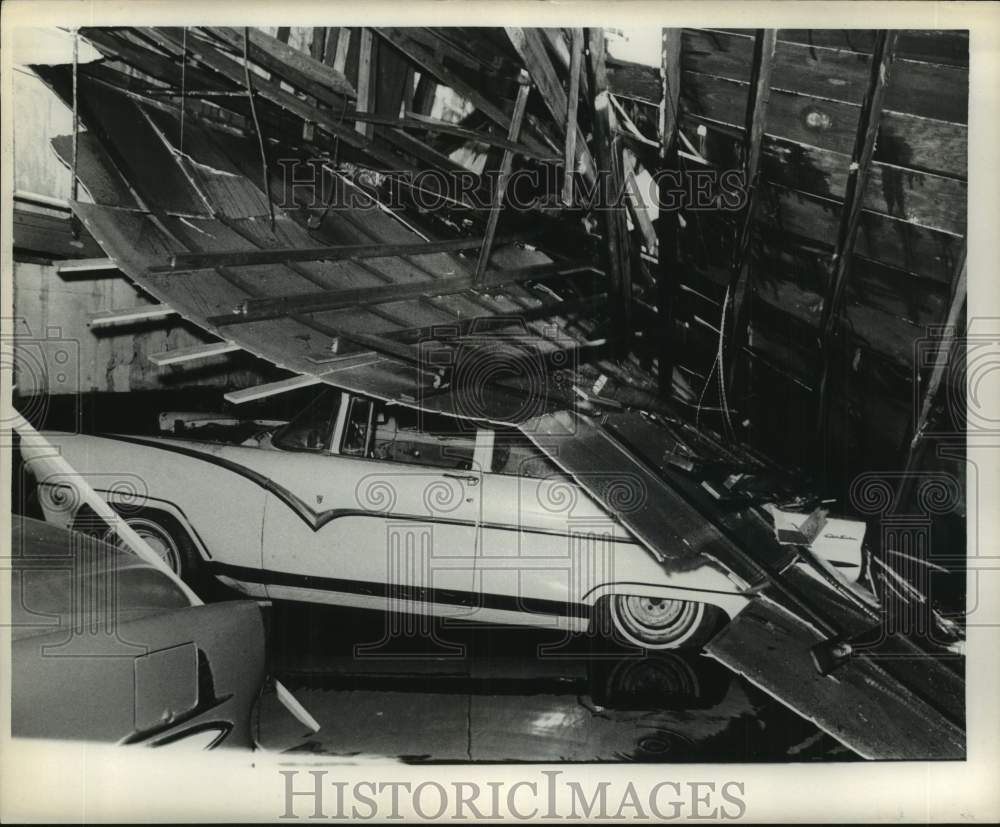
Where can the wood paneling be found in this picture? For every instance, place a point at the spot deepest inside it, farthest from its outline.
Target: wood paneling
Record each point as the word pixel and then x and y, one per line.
pixel 918 88
pixel 905 140
pixel 933 201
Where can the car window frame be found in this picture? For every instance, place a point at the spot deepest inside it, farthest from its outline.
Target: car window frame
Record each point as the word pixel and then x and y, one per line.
pixel 477 467
pixel 328 442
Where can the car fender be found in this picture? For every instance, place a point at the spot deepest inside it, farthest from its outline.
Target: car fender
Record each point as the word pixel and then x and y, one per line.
pixel 705 585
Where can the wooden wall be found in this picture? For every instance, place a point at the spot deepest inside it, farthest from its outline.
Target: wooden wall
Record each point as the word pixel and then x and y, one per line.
pixel 907 255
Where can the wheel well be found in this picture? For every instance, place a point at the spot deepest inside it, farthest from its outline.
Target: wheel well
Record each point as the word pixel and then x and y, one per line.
pixel 87 521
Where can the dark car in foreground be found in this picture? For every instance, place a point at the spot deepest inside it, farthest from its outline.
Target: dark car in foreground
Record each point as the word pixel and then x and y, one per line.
pixel 106 648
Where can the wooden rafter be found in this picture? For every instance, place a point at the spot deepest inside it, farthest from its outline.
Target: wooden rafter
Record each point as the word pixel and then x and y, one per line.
pixel 531 47
pixel 299 69
pixel 343 252
pixel 520 104
pixel 276 307
pixel 271 90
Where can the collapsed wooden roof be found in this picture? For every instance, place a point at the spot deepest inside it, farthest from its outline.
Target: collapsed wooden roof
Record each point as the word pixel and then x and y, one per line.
pixel 576 323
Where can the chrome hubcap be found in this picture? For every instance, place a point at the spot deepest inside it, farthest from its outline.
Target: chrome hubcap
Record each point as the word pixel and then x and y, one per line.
pixel 156 538
pixel 656 622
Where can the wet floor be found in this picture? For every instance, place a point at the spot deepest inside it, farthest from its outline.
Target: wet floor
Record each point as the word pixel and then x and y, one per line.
pixel 439 692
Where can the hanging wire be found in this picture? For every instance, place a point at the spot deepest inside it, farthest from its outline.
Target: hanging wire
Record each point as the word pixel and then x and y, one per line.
pixel 256 123
pixel 184 51
pixel 74 183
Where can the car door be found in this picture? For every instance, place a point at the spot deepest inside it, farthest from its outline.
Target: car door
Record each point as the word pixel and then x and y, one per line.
pixel 387 514
pixel 544 542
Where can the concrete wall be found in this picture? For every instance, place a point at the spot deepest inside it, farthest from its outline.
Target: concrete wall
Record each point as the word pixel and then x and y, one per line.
pixel 56 352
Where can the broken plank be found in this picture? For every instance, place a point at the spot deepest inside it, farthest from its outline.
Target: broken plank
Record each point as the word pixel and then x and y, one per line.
pixel 771 648
pixel 294 383
pixel 190 354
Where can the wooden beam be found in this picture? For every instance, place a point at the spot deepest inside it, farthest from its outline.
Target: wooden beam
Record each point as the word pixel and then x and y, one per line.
pixel 953 325
pixel 252 310
pixel 667 273
pixel 869 121
pixel 343 46
pixel 366 80
pixel 291 65
pixel 531 48
pixel 670 76
pixel 317 46
pixel 425 123
pixel 190 354
pixel 85 265
pixel 640 215
pixel 295 67
pixel 349 252
pixel 293 383
pixel 520 104
pixel 575 70
pixel 611 186
pixel 423 97
pixel 943 359
pixel 40 200
pixel 482 324
pixel 758 96
pixel 106 318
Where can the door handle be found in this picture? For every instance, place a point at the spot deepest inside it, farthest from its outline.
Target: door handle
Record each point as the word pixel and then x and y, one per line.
pixel 472 479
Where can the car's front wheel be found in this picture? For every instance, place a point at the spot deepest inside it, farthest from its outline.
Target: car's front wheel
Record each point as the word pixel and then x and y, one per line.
pixel 158 538
pixel 171 543
pixel 660 623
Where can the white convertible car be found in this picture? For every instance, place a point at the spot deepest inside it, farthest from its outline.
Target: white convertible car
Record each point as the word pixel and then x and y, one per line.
pixel 377 506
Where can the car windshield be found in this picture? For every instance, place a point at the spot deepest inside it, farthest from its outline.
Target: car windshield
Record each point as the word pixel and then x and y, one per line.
pixel 312 429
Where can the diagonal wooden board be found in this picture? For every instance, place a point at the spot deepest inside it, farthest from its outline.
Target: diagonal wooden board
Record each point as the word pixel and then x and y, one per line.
pixel 859 704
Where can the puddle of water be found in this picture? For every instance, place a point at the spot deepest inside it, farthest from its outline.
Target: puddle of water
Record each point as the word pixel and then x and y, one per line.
pixel 460 694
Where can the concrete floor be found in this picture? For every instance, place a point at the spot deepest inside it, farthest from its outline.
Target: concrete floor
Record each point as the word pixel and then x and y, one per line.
pixel 486 694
